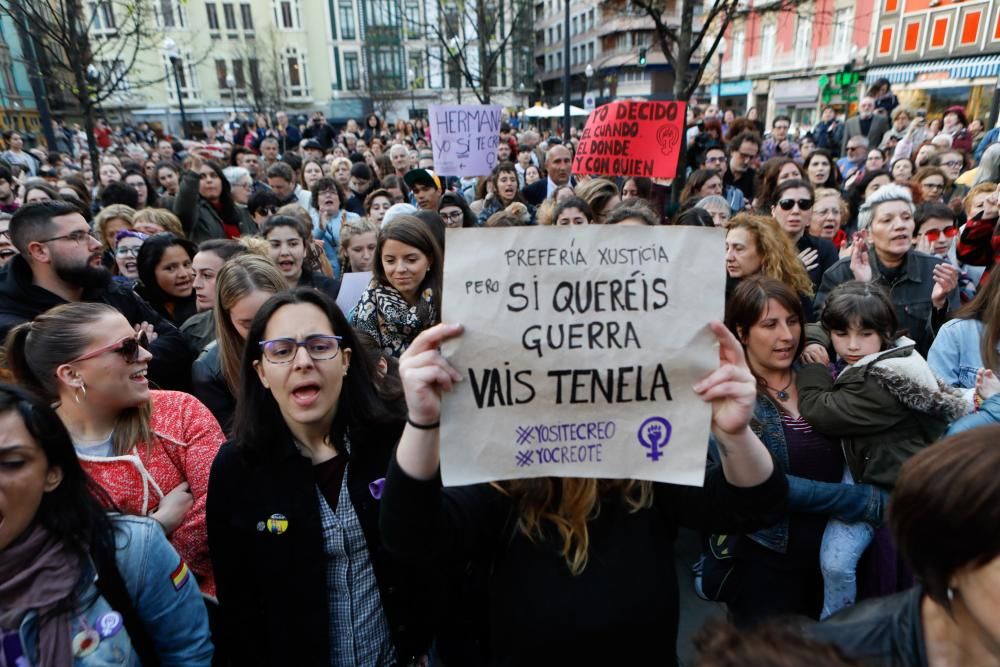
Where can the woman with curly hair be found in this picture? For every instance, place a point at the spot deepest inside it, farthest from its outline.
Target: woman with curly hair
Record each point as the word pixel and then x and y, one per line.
pixel 756 244
pixel 773 172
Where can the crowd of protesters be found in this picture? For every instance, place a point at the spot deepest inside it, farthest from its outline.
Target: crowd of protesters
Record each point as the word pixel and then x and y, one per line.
pixel 204 460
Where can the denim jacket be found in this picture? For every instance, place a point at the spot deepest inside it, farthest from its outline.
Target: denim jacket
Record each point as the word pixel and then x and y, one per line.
pixel 766 423
pixel 954 356
pixel 163 592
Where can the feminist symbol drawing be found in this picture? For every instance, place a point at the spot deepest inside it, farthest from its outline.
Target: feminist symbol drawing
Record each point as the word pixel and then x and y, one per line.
pixel 667 136
pixel 654 433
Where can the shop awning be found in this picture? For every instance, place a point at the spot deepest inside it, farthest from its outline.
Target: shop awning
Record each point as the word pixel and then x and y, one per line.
pixel 957 68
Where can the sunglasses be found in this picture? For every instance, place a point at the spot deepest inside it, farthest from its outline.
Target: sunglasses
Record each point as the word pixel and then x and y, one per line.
pixel 128 348
pixel 934 234
pixel 789 204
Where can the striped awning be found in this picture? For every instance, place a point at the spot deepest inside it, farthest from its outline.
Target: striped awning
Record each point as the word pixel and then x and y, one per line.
pixel 957 68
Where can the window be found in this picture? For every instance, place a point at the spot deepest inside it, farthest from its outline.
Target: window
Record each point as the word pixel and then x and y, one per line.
pixel 352 79
pixel 346 11
pixel 574 59
pixel 385 68
pixel 222 69
pixel 416 70
pixel 842 34
pixel 296 79
pixel 590 51
pixel 102 16
pixel 384 13
pixel 803 36
pixel 185 73
pixel 739 49
pixel 213 16
pixel 113 71
pixel 246 15
pixel 241 80
pixel 169 14
pixel 414 21
pixel 286 14
pixel 229 13
pixel 767 43
pixel 576 25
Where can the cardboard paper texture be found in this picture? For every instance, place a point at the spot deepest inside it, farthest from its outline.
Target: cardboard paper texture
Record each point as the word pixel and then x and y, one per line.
pixel 464 138
pixel 579 352
pixel 632 138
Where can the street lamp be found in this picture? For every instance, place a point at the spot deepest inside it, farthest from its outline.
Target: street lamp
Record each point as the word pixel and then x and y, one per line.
pixel 566 74
pixel 413 82
pixel 722 52
pixel 231 84
pixel 173 54
pixel 589 73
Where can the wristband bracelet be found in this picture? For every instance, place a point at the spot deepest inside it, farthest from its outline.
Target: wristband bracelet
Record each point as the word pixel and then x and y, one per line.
pixel 423 427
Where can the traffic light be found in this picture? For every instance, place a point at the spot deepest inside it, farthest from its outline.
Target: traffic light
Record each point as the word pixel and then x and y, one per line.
pixel 642 57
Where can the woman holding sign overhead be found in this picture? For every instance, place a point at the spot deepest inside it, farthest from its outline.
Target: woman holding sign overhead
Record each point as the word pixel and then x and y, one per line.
pixel 580 570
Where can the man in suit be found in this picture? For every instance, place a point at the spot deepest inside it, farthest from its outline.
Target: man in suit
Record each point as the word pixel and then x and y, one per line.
pixel 558 164
pixel 867 124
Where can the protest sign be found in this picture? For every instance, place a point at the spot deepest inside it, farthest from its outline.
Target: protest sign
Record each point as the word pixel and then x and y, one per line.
pixel 464 138
pixel 579 352
pixel 632 139
pixel 352 286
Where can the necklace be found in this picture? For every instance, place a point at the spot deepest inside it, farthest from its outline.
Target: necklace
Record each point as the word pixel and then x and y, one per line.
pixel 782 394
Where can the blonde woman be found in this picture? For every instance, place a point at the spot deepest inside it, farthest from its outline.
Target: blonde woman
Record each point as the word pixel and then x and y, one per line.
pixel 358 239
pixel 151 451
pixel 111 220
pixel 756 244
pixel 155 220
pixel 242 285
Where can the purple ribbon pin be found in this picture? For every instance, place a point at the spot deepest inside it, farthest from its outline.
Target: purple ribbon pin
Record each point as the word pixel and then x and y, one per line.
pixel 375 488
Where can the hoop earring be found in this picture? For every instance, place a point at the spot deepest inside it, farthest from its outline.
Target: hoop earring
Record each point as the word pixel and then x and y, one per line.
pixel 951 594
pixel 76 393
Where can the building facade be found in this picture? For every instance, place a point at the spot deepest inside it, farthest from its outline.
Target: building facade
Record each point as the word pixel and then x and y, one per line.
pixel 18 110
pixel 346 58
pixel 790 61
pixel 938 53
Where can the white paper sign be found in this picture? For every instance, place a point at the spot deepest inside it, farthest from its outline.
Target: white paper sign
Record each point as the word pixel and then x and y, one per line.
pixel 580 349
pixel 352 286
pixel 464 138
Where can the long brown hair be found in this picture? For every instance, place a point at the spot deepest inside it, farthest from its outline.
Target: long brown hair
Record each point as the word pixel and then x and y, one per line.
pixel 568 504
pixel 748 304
pixel 36 349
pixel 985 307
pixel 239 277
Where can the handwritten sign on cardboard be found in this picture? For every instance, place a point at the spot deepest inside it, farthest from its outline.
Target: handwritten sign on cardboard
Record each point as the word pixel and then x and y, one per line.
pixel 632 138
pixel 579 352
pixel 464 138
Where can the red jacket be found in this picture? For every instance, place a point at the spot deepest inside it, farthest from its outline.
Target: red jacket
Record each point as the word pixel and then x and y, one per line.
pixel 186 439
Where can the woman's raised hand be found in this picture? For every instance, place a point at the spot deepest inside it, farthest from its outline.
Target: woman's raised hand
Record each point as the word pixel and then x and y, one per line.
pixel 731 388
pixel 426 374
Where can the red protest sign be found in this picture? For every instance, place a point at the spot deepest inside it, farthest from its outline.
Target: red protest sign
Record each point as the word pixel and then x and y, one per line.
pixel 631 139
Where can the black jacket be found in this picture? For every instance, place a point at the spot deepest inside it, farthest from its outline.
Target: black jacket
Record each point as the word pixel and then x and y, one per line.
pixel 318 281
pixel 198 218
pixel 21 300
pixel 622 609
pixel 885 632
pixel 272 587
pixel 910 293
pixel 208 385
pixel 828 256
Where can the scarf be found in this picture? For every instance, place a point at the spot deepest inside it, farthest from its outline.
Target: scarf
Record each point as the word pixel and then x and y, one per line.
pixel 391 320
pixel 39 572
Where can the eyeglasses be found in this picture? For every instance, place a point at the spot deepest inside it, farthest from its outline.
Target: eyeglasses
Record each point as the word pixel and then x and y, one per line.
pixel 128 348
pixel 267 210
pixel 954 164
pixel 717 160
pixel 824 212
pixel 76 237
pixel 789 204
pixel 5 233
pixel 123 250
pixel 454 215
pixel 934 234
pixel 283 350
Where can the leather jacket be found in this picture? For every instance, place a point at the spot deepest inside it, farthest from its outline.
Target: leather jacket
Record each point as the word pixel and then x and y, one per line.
pixel 887 631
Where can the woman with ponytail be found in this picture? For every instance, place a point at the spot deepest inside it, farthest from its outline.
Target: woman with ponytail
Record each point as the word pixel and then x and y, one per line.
pixel 151 451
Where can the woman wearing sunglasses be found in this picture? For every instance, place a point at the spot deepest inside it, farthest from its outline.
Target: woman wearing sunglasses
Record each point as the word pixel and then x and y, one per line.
pixel 150 450
pixel 791 206
pixel 293 517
